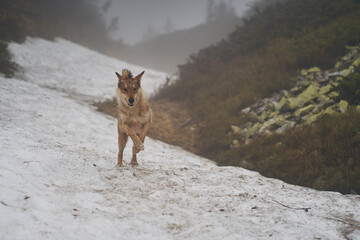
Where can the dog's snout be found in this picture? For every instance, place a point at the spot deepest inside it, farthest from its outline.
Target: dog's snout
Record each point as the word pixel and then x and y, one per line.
pixel 131 100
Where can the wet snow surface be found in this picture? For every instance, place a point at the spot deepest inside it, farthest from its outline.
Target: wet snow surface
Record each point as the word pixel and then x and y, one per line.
pixel 58 181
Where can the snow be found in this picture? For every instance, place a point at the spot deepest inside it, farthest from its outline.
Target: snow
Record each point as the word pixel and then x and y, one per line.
pixel 58 178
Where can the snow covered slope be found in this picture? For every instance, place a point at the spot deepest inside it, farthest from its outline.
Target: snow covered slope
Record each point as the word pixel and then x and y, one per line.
pixel 58 181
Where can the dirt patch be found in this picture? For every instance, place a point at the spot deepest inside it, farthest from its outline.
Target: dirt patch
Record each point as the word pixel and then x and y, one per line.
pixel 172 123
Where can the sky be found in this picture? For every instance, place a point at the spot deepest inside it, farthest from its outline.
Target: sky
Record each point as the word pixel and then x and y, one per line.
pixel 136 16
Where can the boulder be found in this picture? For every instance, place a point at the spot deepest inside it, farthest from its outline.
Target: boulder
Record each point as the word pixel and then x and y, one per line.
pixel 284 105
pixel 287 125
pixel 310 93
pixel 235 129
pixel 235 144
pixel 356 62
pixel 314 70
pixel 333 94
pixel 343 106
pixel 304 111
pixel 331 110
pixel 246 110
pixel 311 118
pixel 253 130
pixel 324 90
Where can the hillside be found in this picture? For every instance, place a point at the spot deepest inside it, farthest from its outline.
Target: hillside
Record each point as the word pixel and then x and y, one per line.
pixel 59 181
pixel 166 51
pixel 260 58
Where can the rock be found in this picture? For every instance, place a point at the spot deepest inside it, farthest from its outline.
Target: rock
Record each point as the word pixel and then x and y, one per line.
pixel 343 106
pixel 270 107
pixel 253 130
pixel 310 93
pixel 304 111
pixel 333 94
pixel 324 90
pixel 235 129
pixel 314 70
pixel 348 71
pixel 247 125
pixel 287 125
pixel 284 105
pixel 235 144
pixel 335 74
pixel 330 110
pixel 311 118
pixel 295 90
pixel 246 110
pixel 304 72
pixel 244 132
pixel 356 62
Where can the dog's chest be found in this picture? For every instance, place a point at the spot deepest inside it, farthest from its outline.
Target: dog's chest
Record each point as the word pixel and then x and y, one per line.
pixel 134 119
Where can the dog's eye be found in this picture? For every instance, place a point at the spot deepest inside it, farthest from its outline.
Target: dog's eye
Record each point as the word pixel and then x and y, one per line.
pixel 125 89
pixel 135 89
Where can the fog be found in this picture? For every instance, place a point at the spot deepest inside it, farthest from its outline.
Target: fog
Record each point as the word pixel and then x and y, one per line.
pixel 136 17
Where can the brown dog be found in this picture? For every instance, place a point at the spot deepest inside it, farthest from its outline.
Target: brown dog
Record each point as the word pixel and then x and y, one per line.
pixel 134 114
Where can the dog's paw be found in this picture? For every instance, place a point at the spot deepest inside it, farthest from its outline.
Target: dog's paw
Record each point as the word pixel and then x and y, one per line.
pixel 139 147
pixel 134 163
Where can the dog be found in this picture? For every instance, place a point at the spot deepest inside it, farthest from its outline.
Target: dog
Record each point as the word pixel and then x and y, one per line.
pixel 134 114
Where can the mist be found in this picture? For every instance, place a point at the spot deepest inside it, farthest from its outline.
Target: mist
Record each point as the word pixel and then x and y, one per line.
pixel 137 16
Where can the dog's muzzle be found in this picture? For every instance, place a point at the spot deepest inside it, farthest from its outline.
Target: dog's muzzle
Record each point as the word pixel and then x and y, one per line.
pixel 131 102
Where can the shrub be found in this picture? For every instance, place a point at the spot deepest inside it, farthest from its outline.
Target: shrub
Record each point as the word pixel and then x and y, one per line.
pixel 349 87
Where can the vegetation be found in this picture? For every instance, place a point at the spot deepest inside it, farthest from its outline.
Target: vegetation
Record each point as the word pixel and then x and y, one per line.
pixel 7 67
pixel 80 21
pixel 323 156
pixel 258 59
pixel 349 87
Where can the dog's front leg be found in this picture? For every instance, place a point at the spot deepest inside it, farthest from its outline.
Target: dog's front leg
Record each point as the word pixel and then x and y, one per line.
pixel 144 131
pixel 122 142
pixel 136 140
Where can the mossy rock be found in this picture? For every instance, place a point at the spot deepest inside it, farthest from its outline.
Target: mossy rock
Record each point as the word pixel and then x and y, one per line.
pixel 236 129
pixel 332 110
pixel 356 62
pixel 264 116
pixel 235 144
pixel 304 111
pixel 338 65
pixel 343 105
pixel 348 71
pixel 253 129
pixel 324 90
pixel 285 126
pixel 310 93
pixel 284 105
pixel 333 94
pixel 304 72
pixel 311 118
pixel 314 70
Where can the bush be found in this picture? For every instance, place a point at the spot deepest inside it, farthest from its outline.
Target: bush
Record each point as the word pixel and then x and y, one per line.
pixel 7 67
pixel 349 88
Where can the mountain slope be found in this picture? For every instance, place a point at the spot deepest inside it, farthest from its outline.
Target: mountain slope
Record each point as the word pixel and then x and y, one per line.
pixel 58 178
pixel 166 51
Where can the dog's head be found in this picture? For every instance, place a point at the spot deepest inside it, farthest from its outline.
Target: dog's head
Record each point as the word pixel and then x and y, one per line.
pixel 129 86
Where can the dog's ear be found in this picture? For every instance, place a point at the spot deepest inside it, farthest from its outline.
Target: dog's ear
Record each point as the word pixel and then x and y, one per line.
pixel 118 75
pixel 138 77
